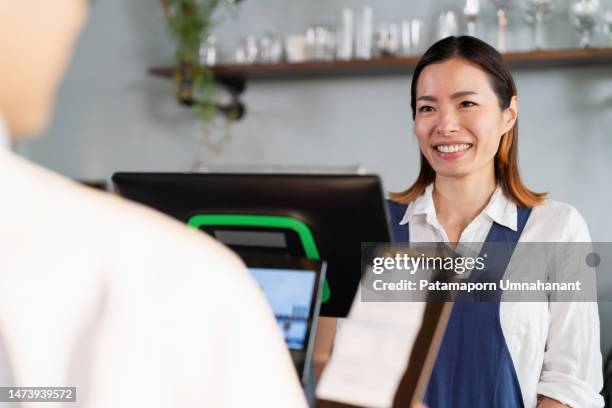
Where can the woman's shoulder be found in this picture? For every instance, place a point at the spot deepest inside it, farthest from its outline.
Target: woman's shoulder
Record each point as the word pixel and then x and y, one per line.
pixel 557 221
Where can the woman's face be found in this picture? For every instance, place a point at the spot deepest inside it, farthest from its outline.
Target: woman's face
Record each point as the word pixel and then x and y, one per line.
pixel 458 120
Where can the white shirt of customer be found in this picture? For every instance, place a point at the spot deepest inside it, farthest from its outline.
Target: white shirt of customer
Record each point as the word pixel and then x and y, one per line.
pixel 132 308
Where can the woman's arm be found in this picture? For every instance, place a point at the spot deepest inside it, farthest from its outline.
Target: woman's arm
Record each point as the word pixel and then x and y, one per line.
pixel 572 369
pixel 550 403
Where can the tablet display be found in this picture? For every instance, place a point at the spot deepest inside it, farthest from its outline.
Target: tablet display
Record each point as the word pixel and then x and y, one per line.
pixel 293 289
pixel 290 294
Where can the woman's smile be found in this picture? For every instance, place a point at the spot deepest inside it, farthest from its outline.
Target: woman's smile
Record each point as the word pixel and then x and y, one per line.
pixel 451 151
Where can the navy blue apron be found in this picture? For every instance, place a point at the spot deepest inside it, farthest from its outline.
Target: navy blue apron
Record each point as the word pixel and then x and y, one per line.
pixel 474 368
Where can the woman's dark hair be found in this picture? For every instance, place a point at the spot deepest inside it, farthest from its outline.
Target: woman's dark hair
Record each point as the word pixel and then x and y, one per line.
pixel 485 57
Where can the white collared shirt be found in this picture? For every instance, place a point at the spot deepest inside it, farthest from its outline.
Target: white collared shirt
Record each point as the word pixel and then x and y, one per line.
pixel 555 347
pixel 129 306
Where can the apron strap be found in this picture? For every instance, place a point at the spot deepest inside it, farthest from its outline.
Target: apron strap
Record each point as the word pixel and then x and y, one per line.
pixel 399 233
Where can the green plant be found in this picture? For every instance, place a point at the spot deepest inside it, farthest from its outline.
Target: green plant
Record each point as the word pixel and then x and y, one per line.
pixel 189 21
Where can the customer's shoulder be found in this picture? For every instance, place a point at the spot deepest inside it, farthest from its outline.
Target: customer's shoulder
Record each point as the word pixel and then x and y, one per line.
pixel 81 216
pixel 561 221
pixel 157 237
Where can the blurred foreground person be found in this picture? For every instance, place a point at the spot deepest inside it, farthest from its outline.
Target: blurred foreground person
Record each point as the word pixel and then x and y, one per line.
pixel 127 305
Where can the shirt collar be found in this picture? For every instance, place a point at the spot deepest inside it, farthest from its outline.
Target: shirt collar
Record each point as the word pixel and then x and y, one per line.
pixel 500 209
pixel 5 140
pixel 422 205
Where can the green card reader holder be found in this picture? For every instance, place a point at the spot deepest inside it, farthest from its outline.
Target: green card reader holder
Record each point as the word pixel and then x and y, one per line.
pixel 262 235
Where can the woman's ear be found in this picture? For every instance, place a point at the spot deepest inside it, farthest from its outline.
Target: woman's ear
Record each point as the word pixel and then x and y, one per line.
pixel 510 114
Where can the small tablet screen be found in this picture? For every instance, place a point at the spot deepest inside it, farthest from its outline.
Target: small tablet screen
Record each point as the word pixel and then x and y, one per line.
pixel 290 294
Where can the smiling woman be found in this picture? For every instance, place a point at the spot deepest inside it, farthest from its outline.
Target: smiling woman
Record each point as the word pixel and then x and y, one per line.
pixel 494 353
pixel 483 100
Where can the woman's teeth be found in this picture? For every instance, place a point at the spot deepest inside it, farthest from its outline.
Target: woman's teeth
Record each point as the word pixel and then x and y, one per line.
pixel 453 148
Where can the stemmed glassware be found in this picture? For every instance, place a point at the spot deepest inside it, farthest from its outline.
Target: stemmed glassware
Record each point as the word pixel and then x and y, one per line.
pixel 536 12
pixel 583 15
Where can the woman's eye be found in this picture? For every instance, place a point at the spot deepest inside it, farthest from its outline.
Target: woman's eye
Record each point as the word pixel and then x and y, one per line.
pixel 467 104
pixel 426 109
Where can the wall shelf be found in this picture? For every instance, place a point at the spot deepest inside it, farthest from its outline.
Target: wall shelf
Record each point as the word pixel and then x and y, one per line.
pixel 397 65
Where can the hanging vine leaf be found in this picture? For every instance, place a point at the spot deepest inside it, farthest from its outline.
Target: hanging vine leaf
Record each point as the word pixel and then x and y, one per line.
pixel 189 21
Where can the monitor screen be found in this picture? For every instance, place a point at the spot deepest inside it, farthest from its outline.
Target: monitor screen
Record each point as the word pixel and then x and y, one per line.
pixel 290 294
pixel 324 217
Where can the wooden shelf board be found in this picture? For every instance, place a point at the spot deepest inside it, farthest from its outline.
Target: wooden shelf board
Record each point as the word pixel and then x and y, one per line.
pixel 397 65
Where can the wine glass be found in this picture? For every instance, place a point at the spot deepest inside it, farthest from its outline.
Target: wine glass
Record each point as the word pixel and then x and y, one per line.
pixel 582 15
pixel 536 12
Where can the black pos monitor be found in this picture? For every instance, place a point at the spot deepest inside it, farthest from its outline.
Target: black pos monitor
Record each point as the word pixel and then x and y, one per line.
pixel 305 216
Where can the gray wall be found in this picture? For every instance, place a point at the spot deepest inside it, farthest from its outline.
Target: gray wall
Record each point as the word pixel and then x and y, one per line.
pixel 112 116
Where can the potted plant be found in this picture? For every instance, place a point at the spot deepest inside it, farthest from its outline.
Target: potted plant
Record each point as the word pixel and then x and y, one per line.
pixel 189 22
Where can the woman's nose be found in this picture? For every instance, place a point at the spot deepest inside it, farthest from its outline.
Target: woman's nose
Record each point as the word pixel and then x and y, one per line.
pixel 447 123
